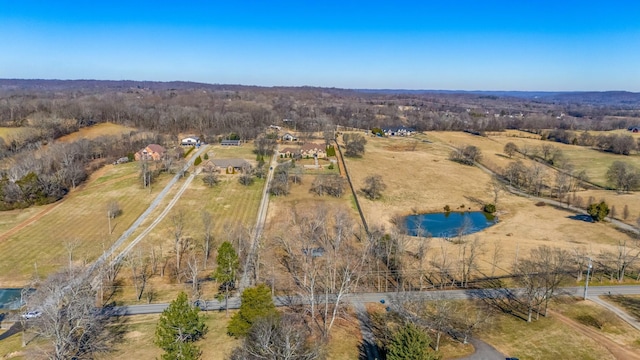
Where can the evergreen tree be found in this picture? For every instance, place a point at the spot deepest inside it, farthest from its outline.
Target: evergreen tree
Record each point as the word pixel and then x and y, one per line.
pixel 179 326
pixel 598 212
pixel 225 273
pixel 256 303
pixel 410 343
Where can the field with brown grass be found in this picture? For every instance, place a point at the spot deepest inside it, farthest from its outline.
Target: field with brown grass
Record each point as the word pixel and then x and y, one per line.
pixel 600 319
pixel 8 133
pixel 80 218
pixel 92 132
pixel 546 338
pixel 425 180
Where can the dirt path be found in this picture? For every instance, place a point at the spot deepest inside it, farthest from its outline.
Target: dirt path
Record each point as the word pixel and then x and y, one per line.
pixel 30 220
pixel 618 351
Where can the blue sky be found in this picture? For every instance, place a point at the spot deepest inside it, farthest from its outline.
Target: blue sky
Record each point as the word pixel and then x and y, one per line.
pixel 466 45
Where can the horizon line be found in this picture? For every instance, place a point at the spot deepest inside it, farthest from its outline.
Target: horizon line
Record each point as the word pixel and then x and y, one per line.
pixel 325 87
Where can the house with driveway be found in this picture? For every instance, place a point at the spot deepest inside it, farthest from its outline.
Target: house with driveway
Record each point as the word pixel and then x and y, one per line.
pixel 190 140
pixel 228 166
pixel 152 152
pixel 309 150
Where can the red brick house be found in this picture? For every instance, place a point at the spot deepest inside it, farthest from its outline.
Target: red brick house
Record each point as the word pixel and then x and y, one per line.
pixel 151 152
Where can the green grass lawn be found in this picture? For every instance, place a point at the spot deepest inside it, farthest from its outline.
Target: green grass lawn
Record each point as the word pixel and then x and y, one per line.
pixel 80 218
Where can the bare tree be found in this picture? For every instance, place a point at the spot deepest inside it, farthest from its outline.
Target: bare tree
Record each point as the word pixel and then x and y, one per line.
pixel 470 251
pixel 140 271
pixel 179 243
pixel 496 186
pixel 69 320
pixel 207 238
pixel 510 149
pixel 71 246
pixel 193 270
pixel 373 187
pixel 496 254
pixel 274 338
pixel 323 262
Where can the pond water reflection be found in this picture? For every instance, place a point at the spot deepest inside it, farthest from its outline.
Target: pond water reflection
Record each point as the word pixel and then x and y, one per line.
pixel 449 224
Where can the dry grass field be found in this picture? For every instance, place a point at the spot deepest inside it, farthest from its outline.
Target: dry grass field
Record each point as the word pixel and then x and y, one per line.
pixel 231 205
pixel 8 133
pixel 546 338
pixel 601 320
pixel 81 217
pixel 92 132
pixel 593 161
pixel 137 342
pixel 425 180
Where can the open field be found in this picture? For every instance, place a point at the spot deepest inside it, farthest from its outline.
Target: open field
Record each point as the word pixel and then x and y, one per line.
pixel 137 342
pixel 233 207
pixel 11 218
pixel 80 218
pixel 425 180
pixel 92 132
pixel 8 133
pixel 631 200
pixel 546 338
pixel 244 151
pixel 594 162
pixel 601 320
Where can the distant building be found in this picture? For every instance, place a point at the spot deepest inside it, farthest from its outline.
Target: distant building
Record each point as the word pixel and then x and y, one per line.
pixel 151 152
pixel 191 140
pixel 230 166
pixel 230 143
pixel 289 137
pixel 398 131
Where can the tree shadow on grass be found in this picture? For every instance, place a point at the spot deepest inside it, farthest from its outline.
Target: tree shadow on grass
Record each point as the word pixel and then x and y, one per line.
pixel 581 217
pixel 14 329
pixel 630 304
pixel 495 296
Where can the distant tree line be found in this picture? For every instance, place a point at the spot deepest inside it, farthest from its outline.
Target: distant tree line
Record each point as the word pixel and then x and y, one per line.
pixel 36 180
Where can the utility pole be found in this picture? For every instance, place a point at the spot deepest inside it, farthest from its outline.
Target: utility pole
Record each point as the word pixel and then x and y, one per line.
pixel 586 282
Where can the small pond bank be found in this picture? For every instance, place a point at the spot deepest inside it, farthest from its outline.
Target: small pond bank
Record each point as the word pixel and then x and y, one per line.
pixel 449 224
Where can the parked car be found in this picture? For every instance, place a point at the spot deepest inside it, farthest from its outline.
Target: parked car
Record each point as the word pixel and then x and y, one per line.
pixel 31 315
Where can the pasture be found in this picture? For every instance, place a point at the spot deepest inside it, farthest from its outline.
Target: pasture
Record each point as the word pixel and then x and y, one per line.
pixel 92 132
pixel 425 180
pixel 78 222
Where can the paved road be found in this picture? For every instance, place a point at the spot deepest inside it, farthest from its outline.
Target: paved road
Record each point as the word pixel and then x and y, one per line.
pixel 483 351
pixel 389 297
pixel 369 346
pixel 616 310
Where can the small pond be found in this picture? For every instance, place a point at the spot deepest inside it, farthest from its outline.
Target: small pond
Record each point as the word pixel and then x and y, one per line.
pixel 10 299
pixel 449 224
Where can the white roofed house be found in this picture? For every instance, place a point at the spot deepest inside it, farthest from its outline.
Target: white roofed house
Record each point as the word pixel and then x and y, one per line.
pixel 289 137
pixel 190 140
